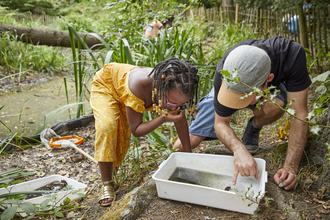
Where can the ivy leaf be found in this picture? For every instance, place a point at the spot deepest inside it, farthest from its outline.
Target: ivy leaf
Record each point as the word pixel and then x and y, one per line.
pixel 27 207
pixel 328 145
pixel 225 73
pixel 11 201
pixel 321 90
pixel 59 214
pixel 45 203
pixel 81 195
pixel 322 77
pixel 9 213
pixel 315 129
pixel 323 98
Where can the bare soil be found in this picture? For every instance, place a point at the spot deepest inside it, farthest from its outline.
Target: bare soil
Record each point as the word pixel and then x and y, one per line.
pixel 303 200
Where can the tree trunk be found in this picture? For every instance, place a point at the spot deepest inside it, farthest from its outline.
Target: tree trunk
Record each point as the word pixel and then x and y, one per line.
pixel 228 10
pixel 302 27
pixel 316 154
pixel 48 37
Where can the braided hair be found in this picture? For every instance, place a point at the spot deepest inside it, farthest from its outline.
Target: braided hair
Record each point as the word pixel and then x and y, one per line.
pixel 174 74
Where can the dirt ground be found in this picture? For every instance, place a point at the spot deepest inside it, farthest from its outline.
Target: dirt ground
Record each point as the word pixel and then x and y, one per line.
pixel 310 203
pixel 304 201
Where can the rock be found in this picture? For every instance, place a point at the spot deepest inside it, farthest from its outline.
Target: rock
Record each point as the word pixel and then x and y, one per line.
pixel 133 204
pixel 77 158
pixel 71 214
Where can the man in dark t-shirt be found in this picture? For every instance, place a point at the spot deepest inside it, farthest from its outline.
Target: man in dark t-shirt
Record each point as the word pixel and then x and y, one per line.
pixel 259 63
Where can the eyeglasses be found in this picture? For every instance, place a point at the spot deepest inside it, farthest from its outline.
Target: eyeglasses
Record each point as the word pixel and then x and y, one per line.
pixel 176 105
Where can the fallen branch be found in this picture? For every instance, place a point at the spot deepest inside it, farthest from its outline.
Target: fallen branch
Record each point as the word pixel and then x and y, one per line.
pixel 49 37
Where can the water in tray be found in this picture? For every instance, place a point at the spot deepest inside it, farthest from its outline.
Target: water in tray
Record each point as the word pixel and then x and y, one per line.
pixel 212 180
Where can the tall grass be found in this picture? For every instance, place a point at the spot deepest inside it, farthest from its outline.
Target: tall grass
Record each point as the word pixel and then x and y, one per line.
pixel 16 56
pixel 173 42
pixel 227 36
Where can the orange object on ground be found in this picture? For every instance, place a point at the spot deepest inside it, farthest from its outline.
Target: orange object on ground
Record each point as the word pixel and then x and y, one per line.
pixel 52 142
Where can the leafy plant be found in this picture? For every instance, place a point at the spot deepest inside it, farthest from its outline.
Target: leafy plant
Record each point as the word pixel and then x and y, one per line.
pixel 19 57
pixel 38 6
pixel 315 127
pixel 323 92
pixel 128 17
pixel 229 35
pixel 8 177
pixel 12 202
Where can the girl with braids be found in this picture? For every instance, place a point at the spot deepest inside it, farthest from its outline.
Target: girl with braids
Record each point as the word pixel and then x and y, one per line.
pixel 121 93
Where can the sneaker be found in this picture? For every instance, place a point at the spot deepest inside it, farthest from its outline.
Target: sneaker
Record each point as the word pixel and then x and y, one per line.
pixel 251 137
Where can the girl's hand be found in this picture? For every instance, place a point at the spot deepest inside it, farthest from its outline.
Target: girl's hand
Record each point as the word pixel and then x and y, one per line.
pixel 174 115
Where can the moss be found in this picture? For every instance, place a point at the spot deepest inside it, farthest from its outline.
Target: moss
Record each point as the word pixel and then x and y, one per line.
pixel 116 208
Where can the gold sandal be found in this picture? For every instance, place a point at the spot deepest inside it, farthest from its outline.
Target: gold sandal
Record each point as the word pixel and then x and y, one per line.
pixel 107 192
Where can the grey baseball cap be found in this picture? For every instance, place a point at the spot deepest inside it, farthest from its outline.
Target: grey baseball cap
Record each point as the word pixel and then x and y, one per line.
pixel 252 64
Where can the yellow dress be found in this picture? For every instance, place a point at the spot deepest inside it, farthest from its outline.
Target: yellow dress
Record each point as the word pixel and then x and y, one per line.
pixel 110 95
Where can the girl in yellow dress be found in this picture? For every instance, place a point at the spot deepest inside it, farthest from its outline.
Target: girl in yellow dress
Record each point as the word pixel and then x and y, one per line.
pixel 121 93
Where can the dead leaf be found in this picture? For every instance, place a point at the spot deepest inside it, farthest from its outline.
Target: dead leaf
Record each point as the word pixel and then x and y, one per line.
pixel 281 132
pixel 318 201
pixel 287 127
pixel 320 194
pixel 323 211
pixel 317 215
pixel 326 207
pixel 307 201
pixel 270 154
pixel 62 173
pixel 26 108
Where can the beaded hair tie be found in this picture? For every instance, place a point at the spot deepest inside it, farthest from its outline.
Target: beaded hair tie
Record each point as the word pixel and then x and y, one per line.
pixel 158 109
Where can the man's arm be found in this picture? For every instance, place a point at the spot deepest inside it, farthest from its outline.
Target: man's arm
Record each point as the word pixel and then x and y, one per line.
pixel 297 141
pixel 243 161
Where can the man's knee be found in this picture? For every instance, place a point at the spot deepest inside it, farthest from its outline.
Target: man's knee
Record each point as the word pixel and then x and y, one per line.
pixel 270 110
pixel 177 145
pixel 195 140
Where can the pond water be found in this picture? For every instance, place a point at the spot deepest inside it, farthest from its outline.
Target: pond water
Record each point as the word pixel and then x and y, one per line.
pixel 34 103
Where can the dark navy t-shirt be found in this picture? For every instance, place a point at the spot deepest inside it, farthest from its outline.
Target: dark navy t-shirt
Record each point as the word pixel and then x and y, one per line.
pixel 288 64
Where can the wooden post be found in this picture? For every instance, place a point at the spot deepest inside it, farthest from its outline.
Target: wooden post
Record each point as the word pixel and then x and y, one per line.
pixel 325 29
pixel 257 18
pixel 221 18
pixel 319 26
pixel 319 39
pixel 229 10
pixel 260 20
pixel 271 17
pixel 279 23
pixel 310 30
pixel 303 33
pixel 314 33
pixel 267 21
pixel 236 14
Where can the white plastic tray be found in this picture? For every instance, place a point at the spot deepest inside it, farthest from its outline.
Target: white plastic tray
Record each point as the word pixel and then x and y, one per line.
pixel 37 183
pixel 207 196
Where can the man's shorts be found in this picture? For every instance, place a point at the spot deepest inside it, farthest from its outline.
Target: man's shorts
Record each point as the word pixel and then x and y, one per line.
pixel 203 124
